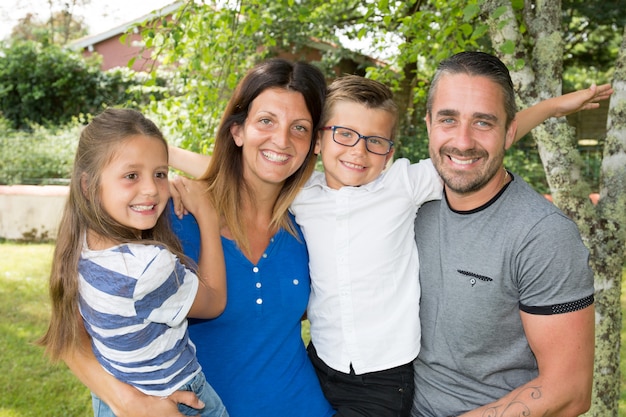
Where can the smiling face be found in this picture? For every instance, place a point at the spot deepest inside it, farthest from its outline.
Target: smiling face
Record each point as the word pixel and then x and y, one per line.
pixel 275 138
pixel 134 187
pixel 354 165
pixel 468 136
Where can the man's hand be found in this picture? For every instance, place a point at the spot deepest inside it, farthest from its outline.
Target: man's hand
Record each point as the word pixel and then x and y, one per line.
pixel 582 99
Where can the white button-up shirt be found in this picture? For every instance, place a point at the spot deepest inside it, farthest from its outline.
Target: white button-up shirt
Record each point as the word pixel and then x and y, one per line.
pixel 364 303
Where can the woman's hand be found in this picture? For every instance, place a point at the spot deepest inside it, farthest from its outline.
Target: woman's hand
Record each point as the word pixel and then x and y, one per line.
pixel 167 407
pixel 123 399
pixel 148 406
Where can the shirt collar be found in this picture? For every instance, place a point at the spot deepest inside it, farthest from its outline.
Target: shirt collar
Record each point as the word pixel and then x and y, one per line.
pixel 319 180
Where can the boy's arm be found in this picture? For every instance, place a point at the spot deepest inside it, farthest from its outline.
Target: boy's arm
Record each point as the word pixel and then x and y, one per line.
pixel 191 163
pixel 124 400
pixel 210 299
pixel 587 99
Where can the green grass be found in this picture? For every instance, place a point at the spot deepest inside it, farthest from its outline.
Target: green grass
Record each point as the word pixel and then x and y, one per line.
pixel 30 384
pixel 32 387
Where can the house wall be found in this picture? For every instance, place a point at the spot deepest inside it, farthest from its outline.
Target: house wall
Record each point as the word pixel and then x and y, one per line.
pixel 31 212
pixel 117 54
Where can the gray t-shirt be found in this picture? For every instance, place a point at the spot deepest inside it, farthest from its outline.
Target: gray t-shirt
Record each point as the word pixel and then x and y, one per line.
pixel 478 269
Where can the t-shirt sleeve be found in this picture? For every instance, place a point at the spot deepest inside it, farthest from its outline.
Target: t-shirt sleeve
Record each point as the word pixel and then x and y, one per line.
pixel 553 266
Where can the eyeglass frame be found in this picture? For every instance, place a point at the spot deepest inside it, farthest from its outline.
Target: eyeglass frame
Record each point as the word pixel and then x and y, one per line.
pixel 359 137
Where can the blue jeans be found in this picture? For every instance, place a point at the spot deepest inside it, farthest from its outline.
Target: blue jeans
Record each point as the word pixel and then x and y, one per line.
pixel 213 406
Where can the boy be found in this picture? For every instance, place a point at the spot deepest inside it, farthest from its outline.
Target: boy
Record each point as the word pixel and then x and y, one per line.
pixel 357 222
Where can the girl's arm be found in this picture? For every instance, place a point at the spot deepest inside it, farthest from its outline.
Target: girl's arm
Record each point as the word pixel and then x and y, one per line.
pixel 191 163
pixel 211 296
pixel 587 99
pixel 124 400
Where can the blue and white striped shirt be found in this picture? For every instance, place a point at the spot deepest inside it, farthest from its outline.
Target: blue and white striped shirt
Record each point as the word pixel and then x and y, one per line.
pixel 134 300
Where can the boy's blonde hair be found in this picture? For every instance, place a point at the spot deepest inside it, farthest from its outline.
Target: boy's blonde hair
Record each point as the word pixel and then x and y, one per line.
pixel 370 93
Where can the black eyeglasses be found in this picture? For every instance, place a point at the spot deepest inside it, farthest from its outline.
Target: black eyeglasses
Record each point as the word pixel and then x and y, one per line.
pixel 349 137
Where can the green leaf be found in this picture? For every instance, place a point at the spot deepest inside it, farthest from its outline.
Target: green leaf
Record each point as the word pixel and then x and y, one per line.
pixel 517 4
pixel 467 29
pixel 508 47
pixel 499 12
pixel 470 12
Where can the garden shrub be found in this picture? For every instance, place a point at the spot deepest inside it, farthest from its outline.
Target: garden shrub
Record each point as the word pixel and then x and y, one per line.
pixel 42 156
pixel 48 85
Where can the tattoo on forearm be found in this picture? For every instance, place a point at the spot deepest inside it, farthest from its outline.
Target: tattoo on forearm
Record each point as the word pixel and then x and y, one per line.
pixel 518 406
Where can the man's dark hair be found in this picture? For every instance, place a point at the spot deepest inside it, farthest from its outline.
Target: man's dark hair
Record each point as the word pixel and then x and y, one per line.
pixel 477 64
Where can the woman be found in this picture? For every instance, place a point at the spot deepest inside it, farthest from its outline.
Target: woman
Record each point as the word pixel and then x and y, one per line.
pixel 252 354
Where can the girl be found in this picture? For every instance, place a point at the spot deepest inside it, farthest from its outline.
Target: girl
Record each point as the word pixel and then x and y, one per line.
pixel 118 263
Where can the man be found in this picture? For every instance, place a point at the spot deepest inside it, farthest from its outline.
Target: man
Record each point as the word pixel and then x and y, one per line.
pixel 507 294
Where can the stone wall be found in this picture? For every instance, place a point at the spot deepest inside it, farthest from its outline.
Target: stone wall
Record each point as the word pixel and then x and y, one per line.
pixel 31 212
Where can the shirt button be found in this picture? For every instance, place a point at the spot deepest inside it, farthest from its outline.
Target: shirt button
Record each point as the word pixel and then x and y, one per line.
pixel 265 255
pixel 259 301
pixel 255 269
pixel 258 285
pixel 296 282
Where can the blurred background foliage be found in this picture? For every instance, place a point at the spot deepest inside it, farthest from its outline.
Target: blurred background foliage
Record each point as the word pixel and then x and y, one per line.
pixel 46 88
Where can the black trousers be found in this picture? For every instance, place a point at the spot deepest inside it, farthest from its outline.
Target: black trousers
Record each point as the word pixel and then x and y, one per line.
pixel 387 393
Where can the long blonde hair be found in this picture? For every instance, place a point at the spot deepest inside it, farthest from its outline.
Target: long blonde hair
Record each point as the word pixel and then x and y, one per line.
pixel 83 211
pixel 224 175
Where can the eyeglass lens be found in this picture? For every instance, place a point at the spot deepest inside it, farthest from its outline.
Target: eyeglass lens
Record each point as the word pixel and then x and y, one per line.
pixel 349 137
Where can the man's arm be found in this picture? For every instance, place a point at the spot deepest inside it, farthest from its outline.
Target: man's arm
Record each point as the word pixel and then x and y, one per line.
pixel 586 99
pixel 124 400
pixel 563 345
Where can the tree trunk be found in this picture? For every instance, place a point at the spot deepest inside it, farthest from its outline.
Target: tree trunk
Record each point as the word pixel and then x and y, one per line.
pixel 607 237
pixel 602 227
